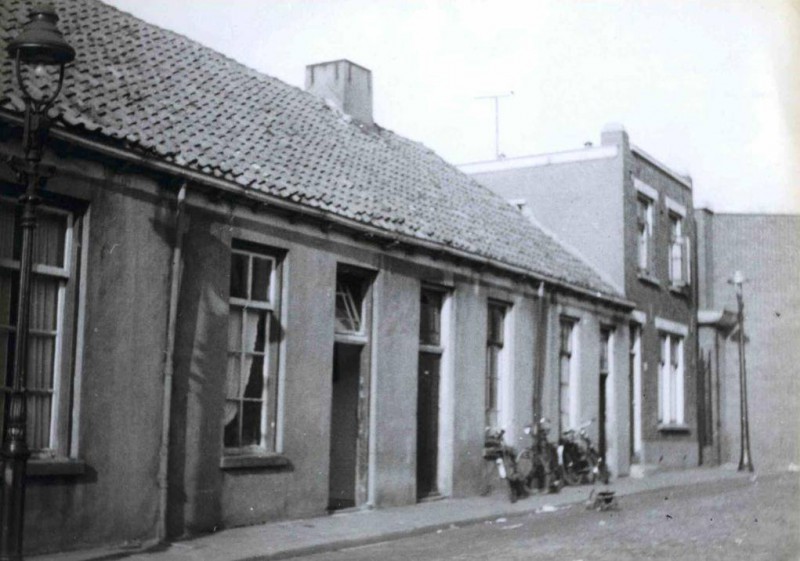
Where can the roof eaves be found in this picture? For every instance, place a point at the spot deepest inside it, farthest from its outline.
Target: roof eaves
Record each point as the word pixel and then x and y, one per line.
pixel 159 164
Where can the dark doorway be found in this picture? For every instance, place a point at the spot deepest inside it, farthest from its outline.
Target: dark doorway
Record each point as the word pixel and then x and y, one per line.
pixel 427 424
pixel 605 338
pixel 344 426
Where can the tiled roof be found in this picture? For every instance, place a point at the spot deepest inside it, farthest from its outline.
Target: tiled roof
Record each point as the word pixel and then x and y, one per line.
pixel 156 92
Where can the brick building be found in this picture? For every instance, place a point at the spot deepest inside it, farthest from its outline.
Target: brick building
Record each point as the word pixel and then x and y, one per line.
pixel 765 249
pixel 631 217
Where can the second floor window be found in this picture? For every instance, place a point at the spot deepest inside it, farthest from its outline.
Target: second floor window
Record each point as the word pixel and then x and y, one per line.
pixel 678 252
pixel 644 234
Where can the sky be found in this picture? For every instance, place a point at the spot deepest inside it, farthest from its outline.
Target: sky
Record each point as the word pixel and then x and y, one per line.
pixel 709 87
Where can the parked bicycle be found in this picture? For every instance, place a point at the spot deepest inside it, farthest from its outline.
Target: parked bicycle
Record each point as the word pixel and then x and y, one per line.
pixel 505 458
pixel 541 462
pixel 581 460
pixel 534 467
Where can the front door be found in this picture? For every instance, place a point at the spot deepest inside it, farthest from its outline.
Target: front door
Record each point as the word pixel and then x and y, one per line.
pixel 427 424
pixel 344 426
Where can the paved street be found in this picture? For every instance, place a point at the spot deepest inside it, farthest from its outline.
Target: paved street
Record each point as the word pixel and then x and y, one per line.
pixel 725 520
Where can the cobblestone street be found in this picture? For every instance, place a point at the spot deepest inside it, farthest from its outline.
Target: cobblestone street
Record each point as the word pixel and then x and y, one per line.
pixel 730 520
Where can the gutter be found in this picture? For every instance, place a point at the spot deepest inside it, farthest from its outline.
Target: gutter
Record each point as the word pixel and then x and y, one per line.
pixel 174 291
pixel 256 196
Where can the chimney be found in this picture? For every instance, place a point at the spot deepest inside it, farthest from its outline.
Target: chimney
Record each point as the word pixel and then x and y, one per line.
pixel 614 133
pixel 346 85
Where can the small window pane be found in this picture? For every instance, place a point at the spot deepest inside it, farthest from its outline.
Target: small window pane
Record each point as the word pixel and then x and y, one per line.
pixel 7 297
pixel 251 423
pixel 44 303
pixel 496 316
pixel 40 362
pixel 7 222
pixel 262 273
pixel 38 421
pixel 255 376
pixel 566 337
pixel 239 274
pixel 430 318
pixel 48 241
pixel 349 302
pixel 255 331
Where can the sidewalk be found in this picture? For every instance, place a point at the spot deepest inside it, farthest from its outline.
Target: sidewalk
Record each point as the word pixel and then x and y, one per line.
pixel 282 540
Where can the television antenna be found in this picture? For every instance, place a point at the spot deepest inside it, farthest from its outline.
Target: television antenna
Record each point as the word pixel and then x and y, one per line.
pixel 497 98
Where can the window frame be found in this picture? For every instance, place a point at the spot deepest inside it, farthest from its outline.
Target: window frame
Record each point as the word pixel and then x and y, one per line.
pixel 270 415
pixel 567 365
pixel 671 380
pixel 645 233
pixel 67 337
pixel 494 378
pixel 365 279
pixel 679 241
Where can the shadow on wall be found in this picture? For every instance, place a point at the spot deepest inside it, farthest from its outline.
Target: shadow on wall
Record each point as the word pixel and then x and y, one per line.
pixel 199 383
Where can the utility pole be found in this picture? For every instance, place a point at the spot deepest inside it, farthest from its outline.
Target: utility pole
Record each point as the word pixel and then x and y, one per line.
pixel 745 462
pixel 496 98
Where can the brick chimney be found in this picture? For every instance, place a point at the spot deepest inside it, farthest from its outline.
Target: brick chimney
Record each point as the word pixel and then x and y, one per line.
pixel 345 84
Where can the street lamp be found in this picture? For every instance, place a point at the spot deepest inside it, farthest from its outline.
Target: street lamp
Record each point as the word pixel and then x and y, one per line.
pixel 38 52
pixel 745 463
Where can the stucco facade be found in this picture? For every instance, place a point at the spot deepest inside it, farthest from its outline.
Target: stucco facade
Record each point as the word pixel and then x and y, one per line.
pixel 108 492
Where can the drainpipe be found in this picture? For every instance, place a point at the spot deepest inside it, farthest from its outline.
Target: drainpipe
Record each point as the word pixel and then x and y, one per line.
pixel 175 282
pixel 541 352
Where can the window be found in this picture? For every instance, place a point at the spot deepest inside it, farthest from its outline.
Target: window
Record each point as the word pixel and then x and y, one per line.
pixel 644 223
pixel 250 418
pixel 494 363
pixel 679 270
pixel 53 305
pixel 670 383
pixel 566 351
pixel 350 292
pixel 430 321
pixel 605 339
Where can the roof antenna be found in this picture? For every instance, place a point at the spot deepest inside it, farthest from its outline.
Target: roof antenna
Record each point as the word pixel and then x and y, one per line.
pixel 499 155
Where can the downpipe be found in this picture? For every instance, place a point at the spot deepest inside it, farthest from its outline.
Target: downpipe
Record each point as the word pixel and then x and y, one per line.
pixel 175 282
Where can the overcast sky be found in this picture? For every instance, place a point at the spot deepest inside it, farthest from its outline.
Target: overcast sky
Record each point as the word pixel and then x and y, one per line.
pixel 709 87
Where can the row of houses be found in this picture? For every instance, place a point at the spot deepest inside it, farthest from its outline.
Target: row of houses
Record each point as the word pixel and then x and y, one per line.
pixel 253 303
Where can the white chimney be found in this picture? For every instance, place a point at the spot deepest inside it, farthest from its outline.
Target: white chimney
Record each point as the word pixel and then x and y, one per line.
pixel 345 84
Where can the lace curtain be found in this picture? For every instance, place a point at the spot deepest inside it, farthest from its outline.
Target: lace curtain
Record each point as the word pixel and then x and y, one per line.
pixel 46 291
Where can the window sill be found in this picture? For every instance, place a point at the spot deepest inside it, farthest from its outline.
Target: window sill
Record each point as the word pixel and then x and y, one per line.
pixel 674 428
pixel 62 467
pixel 647 278
pixel 254 461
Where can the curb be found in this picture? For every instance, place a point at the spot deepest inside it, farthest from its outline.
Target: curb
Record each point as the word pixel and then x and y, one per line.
pixel 346 543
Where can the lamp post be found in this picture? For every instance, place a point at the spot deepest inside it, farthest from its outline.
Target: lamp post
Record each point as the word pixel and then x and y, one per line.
pixel 745 462
pixel 38 51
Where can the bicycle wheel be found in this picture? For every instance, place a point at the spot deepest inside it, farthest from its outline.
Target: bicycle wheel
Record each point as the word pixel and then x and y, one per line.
pixel 525 467
pixel 571 474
